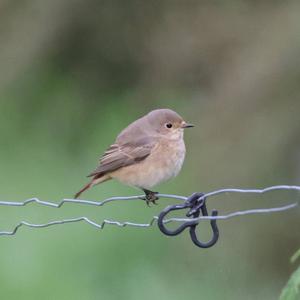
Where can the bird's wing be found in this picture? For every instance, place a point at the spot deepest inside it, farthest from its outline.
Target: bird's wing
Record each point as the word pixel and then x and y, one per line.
pixel 117 156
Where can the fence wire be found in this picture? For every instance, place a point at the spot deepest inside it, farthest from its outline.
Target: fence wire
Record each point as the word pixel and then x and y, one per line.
pixel 102 224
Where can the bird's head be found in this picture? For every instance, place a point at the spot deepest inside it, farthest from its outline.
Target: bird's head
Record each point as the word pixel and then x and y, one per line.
pixel 168 123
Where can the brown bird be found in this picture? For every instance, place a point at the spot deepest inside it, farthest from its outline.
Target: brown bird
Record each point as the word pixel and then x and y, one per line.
pixel 147 152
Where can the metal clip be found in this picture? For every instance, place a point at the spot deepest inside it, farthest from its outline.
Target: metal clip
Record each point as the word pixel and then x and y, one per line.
pixel 197 205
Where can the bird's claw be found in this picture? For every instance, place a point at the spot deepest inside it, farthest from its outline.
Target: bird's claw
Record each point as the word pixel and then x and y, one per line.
pixel 150 197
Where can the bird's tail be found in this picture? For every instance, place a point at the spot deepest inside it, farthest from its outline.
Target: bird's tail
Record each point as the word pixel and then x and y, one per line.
pixel 96 180
pixel 87 186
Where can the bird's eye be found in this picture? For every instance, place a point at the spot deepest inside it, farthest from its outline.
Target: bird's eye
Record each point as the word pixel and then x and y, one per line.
pixel 169 125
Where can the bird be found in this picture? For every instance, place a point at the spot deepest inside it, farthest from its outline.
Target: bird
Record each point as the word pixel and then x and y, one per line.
pixel 147 152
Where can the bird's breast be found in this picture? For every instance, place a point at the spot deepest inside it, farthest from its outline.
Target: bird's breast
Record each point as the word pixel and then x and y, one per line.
pixel 167 159
pixel 172 158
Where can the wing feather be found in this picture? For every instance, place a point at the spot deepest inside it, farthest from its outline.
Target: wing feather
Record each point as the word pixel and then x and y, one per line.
pixel 117 156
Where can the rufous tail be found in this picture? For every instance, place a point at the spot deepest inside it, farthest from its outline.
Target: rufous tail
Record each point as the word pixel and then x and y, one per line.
pixel 96 180
pixel 83 189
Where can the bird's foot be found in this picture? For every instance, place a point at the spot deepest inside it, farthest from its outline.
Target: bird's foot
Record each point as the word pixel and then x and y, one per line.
pixel 150 197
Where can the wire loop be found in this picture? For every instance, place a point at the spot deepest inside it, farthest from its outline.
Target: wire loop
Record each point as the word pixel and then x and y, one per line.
pixel 197 205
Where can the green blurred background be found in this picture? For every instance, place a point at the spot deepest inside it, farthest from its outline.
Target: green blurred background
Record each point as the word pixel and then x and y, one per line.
pixel 74 73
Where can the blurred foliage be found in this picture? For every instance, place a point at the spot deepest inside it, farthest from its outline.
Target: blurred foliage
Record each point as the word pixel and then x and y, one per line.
pixel 74 73
pixel 292 290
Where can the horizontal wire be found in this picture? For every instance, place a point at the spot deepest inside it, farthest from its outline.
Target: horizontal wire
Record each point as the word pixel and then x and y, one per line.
pixel 86 202
pixel 252 191
pixel 143 225
pixel 238 213
pixel 142 197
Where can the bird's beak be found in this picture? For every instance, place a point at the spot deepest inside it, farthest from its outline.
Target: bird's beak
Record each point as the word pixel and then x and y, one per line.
pixel 186 125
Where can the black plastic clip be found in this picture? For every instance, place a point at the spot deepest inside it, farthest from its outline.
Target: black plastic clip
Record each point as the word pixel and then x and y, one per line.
pixel 197 205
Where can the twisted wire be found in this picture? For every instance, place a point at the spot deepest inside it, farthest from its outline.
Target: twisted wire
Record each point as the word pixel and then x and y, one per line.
pixel 141 197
